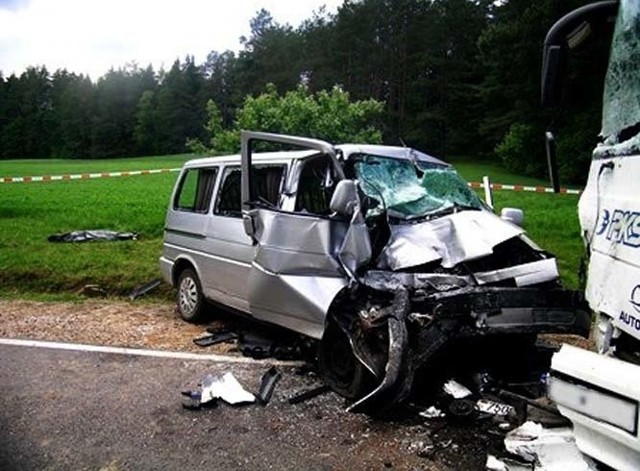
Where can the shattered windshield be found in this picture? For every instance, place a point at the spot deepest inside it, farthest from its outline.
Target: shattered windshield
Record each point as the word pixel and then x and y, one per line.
pixel 621 104
pixel 411 189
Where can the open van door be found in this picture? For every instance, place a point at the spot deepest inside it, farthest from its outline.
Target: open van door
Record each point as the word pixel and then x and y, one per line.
pixel 302 258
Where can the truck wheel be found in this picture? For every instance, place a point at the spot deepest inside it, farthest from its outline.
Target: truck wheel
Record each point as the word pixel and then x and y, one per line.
pixel 191 303
pixel 338 366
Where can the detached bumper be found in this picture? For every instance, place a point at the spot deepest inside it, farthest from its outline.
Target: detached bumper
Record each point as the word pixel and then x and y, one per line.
pixel 601 396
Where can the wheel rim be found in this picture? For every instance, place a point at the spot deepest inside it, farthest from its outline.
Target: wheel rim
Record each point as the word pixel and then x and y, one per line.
pixel 188 295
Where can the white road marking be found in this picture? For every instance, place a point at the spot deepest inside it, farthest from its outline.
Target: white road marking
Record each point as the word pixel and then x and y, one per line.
pixel 78 347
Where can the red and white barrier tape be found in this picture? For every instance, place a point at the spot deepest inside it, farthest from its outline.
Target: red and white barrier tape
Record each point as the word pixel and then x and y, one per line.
pixel 88 176
pixel 535 189
pixel 85 176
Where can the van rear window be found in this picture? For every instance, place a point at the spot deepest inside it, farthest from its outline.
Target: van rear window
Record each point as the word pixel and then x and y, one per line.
pixel 195 190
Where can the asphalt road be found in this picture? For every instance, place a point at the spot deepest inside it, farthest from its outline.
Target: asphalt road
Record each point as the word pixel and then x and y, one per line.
pixel 79 410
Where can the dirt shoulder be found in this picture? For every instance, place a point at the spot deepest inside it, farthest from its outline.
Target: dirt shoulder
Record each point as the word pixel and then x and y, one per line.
pixel 133 324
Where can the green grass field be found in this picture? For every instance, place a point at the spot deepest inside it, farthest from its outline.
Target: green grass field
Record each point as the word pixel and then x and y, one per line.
pixel 33 267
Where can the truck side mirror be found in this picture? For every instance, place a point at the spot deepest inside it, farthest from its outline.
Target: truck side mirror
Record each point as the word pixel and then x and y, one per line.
pixel 345 198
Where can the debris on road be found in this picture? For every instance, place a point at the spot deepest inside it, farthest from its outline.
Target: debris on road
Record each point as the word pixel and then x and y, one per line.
pixel 268 344
pixel 423 448
pixel 216 337
pixel 310 394
pixel 92 236
pixel 225 387
pixel 494 464
pixel 192 400
pixel 456 390
pixel 92 291
pixel 506 464
pixel 462 409
pixel 268 384
pixel 257 342
pixel 431 413
pixel 548 449
pixel 144 289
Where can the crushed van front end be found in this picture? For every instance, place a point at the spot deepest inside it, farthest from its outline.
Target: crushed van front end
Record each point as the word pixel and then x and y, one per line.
pixel 408 320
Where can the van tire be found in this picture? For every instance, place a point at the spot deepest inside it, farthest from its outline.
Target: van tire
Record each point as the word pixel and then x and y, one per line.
pixel 191 303
pixel 338 366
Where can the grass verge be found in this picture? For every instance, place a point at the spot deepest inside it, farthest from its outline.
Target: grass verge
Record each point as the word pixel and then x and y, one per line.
pixel 32 267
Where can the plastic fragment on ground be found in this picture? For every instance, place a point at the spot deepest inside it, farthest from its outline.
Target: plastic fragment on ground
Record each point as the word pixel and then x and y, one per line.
pixel 225 387
pixel 267 385
pixel 456 390
pixel 494 464
pixel 549 449
pixel 431 413
pixel 506 464
pixel 310 394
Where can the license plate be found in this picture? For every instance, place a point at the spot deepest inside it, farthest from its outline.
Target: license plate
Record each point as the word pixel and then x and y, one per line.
pixel 494 408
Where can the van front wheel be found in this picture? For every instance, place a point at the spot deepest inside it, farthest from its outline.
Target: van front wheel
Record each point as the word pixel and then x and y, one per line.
pixel 191 303
pixel 339 367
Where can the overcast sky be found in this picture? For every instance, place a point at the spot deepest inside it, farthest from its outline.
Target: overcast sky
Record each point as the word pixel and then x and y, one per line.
pixel 90 36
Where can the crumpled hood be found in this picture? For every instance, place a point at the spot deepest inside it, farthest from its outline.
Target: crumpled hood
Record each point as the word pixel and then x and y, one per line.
pixel 455 238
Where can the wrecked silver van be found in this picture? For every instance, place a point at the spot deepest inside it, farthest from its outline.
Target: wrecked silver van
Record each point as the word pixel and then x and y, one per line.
pixel 382 253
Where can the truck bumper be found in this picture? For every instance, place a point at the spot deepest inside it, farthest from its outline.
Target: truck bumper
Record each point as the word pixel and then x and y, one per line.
pixel 601 396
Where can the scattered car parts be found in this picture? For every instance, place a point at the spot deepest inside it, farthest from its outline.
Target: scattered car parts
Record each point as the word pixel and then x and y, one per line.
pixel 225 387
pixel 216 337
pixel 145 288
pixel 268 384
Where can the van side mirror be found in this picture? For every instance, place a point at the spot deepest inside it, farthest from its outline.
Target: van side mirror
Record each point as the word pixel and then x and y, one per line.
pixel 247 222
pixel 513 215
pixel 345 198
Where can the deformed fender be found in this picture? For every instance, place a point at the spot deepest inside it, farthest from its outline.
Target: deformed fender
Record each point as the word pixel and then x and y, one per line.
pixel 398 340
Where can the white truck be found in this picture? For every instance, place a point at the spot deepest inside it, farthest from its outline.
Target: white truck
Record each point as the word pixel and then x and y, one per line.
pixel 600 392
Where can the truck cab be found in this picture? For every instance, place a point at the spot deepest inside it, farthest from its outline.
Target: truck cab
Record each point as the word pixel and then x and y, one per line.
pixel 601 394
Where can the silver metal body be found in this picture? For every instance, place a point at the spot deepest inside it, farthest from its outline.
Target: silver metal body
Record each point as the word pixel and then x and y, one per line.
pixel 290 268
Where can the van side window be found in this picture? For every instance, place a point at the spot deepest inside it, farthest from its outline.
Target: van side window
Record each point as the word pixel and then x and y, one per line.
pixel 315 187
pixel 266 181
pixel 195 190
pixel 229 203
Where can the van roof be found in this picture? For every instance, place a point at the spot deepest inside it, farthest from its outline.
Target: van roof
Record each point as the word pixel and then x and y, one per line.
pixel 395 152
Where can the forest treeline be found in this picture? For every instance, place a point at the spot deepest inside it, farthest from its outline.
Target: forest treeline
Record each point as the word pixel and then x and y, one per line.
pixel 457 77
